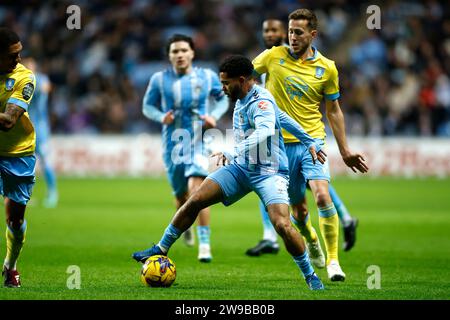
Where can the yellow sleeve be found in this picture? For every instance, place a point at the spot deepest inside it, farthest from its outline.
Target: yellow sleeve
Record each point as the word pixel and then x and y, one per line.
pixel 331 89
pixel 23 91
pixel 261 61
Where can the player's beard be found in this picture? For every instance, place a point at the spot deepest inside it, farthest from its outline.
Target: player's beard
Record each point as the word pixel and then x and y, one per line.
pixel 235 92
pixel 278 42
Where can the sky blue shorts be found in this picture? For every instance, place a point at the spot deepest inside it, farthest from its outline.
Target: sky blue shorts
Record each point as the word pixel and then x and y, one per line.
pixel 236 181
pixel 302 169
pixel 17 178
pixel 178 174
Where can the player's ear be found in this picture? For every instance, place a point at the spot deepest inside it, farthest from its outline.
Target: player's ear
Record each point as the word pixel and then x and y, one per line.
pixel 314 34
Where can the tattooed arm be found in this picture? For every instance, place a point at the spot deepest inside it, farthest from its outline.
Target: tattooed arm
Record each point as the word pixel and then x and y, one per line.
pixel 9 117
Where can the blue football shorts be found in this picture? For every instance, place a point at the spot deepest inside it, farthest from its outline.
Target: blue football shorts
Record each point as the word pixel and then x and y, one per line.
pixel 17 177
pixel 236 181
pixel 179 173
pixel 302 169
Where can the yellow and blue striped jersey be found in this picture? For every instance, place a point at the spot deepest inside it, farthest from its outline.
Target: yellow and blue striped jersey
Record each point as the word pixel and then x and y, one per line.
pixel 299 86
pixel 17 88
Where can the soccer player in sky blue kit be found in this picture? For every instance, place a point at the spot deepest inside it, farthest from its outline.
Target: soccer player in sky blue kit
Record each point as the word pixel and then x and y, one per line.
pixel 186 100
pixel 258 163
pixel 274 34
pixel 40 119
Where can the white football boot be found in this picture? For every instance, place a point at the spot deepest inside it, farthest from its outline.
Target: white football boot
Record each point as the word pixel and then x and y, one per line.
pixel 204 252
pixel 315 253
pixel 335 272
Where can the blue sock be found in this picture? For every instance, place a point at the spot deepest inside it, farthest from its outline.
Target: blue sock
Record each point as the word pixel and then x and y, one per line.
pixel 203 233
pixel 304 264
pixel 342 212
pixel 269 230
pixel 171 234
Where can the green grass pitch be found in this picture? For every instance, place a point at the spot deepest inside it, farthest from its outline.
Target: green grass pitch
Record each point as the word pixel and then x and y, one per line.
pixel 404 230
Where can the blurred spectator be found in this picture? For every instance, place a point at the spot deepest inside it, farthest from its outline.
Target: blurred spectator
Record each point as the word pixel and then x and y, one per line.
pixel 394 81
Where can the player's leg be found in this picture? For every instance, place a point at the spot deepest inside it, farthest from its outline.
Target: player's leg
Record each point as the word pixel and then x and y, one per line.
pixel 349 223
pixel 203 223
pixel 226 184
pixel 179 183
pixel 318 177
pixel 17 180
pixel 273 192
pixel 207 194
pixel 300 216
pixel 42 151
pixel 188 235
pixel 269 242
pixel 329 227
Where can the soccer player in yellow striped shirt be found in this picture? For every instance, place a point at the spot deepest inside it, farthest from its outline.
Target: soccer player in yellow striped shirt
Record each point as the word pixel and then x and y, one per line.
pixel 300 77
pixel 17 145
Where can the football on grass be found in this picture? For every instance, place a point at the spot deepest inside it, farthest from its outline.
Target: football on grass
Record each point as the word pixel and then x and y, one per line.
pixel 158 271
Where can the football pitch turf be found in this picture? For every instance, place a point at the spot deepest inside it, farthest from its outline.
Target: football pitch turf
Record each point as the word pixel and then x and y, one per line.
pixel 404 230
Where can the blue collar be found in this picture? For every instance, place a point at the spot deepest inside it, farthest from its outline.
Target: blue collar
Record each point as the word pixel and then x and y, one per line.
pixel 249 94
pixel 296 57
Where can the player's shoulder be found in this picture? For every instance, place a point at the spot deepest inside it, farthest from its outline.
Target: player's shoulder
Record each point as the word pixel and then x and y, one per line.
pixel 22 73
pixel 327 62
pixel 261 97
pixel 203 71
pixel 158 75
pixel 278 51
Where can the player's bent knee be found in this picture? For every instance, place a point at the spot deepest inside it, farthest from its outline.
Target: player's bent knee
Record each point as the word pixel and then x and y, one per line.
pixel 322 198
pixel 282 226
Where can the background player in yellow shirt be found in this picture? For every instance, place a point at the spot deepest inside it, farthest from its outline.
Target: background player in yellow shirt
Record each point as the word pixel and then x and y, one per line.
pixel 17 145
pixel 300 77
pixel 274 34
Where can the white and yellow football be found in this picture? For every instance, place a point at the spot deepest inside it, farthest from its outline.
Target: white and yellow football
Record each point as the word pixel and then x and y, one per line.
pixel 158 271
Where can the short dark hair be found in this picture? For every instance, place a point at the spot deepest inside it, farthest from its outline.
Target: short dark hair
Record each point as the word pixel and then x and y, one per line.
pixel 7 38
pixel 179 37
pixel 236 66
pixel 305 14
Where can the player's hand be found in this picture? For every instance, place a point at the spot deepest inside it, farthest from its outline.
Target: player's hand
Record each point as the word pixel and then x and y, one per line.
pixel 209 122
pixel 355 161
pixel 221 159
pixel 320 156
pixel 169 117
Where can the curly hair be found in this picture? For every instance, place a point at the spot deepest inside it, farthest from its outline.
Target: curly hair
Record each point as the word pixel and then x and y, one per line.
pixel 7 38
pixel 236 66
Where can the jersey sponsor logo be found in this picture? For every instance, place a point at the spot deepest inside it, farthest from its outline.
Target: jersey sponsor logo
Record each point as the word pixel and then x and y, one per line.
pixel 295 87
pixel 263 105
pixel 9 84
pixel 27 91
pixel 319 72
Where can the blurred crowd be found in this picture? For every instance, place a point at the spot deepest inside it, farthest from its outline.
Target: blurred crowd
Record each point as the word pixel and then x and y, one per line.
pixel 394 81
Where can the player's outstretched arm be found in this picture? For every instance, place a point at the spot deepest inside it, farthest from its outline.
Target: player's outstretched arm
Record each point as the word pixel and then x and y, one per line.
pixel 354 161
pixel 8 119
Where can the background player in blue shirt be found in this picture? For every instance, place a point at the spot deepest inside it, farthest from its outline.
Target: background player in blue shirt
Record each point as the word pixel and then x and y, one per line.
pixel 40 119
pixel 259 163
pixel 186 100
pixel 274 34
